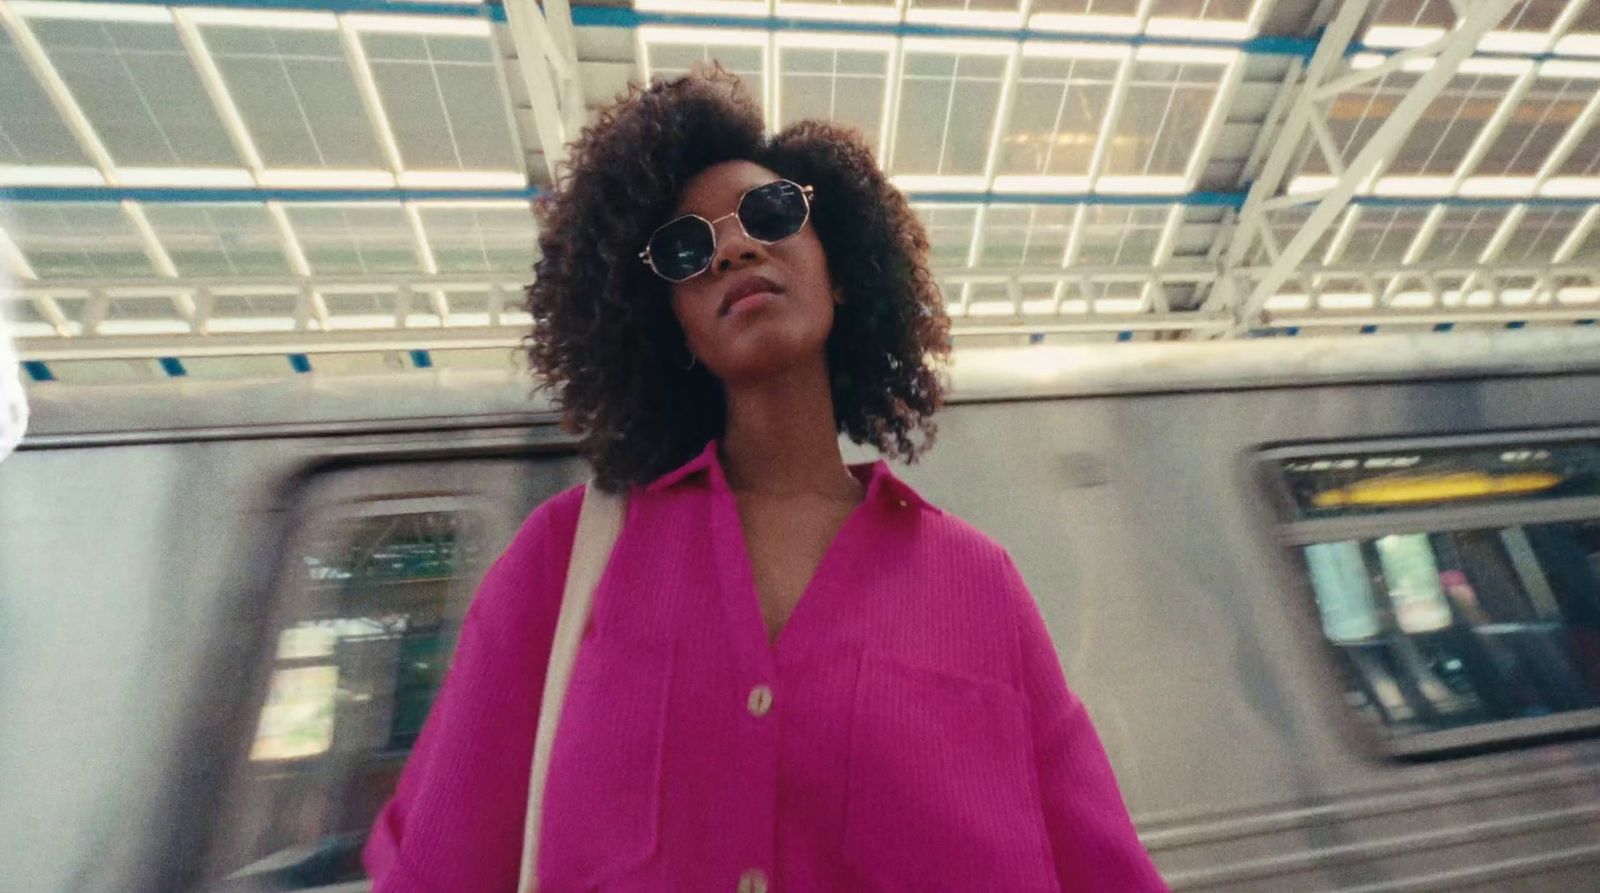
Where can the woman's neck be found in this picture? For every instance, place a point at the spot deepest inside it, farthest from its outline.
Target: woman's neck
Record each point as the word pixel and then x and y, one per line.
pixel 781 437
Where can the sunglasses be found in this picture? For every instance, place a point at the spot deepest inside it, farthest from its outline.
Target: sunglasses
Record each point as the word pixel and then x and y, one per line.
pixel 683 247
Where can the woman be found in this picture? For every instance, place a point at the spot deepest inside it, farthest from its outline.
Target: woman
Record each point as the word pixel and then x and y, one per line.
pixel 798 675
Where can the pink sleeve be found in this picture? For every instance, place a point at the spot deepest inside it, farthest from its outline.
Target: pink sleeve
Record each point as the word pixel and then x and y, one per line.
pixel 1091 836
pixel 455 821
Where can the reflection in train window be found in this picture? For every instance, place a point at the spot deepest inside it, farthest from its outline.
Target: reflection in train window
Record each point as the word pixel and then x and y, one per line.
pixel 371 621
pixel 1333 484
pixel 1440 630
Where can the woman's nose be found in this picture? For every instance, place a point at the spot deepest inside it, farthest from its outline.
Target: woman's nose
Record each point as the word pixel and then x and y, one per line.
pixel 734 248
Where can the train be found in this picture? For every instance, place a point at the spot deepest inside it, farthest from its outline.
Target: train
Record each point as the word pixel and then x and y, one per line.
pixel 1332 603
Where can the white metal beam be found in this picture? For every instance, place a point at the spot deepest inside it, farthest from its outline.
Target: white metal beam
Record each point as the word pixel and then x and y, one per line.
pixel 1270 125
pixel 227 109
pixel 1216 117
pixel 355 56
pixel 44 71
pixel 16 262
pixel 83 131
pixel 1267 184
pixel 991 160
pixel 550 76
pixel 315 306
pixel 1119 94
pixel 217 90
pixel 1461 42
pixel 894 69
pixel 13 258
pixel 1154 294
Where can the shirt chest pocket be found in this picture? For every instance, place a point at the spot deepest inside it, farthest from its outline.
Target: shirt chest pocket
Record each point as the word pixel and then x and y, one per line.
pixel 942 789
pixel 603 796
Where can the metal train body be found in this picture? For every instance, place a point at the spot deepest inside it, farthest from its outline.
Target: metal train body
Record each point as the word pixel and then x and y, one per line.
pixel 154 546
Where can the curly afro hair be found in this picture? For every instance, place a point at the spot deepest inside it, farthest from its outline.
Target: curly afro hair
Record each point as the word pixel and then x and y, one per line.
pixel 604 338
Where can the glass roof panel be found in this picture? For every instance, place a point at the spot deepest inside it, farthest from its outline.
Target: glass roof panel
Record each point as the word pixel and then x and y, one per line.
pixel 842 86
pixel 219 240
pixel 949 232
pixel 1538 235
pixel 1441 137
pixel 1526 16
pixel 1355 115
pixel 373 238
pixel 1536 126
pixel 471 308
pixel 1589 251
pixel 269 312
pixel 30 130
pixel 361 310
pixel 444 101
pixel 1284 225
pixel 136 85
pixel 964 5
pixel 296 95
pixel 1462 235
pixel 1166 108
pixel 670 58
pixel 141 309
pixel 1086 7
pixel 73 240
pixel 481 240
pixel 1535 15
pixel 1197 232
pixel 1588 20
pixel 1120 235
pixel 885 10
pixel 1585 158
pixel 1235 10
pixel 1025 235
pixel 947 109
pixel 1381 235
pixel 1056 119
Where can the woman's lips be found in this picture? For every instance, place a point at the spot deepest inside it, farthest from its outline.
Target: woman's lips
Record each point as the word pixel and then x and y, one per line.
pixel 752 301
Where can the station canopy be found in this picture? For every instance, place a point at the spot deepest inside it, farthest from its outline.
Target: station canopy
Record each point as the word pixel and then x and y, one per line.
pixel 269 188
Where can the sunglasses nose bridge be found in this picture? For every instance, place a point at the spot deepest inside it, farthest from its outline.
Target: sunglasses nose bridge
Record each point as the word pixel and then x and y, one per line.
pixel 731 242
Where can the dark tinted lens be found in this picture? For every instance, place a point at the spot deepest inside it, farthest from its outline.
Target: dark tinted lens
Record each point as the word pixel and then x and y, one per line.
pixel 774 211
pixel 682 248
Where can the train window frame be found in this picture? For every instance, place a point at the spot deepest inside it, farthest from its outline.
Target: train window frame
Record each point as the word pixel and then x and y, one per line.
pixel 289 598
pixel 511 471
pixel 1292 534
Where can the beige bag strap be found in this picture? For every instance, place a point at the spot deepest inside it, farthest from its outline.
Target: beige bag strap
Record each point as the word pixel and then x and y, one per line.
pixel 599 523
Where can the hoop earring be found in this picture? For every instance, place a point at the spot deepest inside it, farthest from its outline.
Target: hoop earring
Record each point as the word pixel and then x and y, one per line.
pixel 692 358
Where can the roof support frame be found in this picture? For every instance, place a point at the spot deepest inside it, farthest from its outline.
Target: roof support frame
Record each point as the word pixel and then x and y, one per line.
pixel 547 60
pixel 205 66
pixel 355 55
pixel 1455 47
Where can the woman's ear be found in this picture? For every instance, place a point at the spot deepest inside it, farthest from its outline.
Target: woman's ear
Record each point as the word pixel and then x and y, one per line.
pixel 838 295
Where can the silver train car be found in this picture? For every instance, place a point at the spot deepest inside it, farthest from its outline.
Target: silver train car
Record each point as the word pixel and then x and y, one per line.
pixel 1333 604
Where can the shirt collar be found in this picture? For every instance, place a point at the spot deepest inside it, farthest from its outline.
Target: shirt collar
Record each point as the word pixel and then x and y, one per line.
pixel 880 480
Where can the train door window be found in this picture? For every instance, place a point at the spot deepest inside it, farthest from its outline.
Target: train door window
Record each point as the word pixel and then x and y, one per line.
pixel 1461 601
pixel 370 603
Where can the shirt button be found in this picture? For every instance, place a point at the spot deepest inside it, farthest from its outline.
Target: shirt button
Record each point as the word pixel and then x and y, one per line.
pixel 753 881
pixel 760 703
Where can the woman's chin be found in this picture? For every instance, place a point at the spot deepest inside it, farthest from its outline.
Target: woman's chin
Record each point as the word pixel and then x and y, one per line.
pixel 766 352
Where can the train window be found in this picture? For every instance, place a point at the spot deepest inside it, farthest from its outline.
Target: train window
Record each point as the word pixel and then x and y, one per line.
pixel 371 615
pixel 1332 484
pixel 1472 619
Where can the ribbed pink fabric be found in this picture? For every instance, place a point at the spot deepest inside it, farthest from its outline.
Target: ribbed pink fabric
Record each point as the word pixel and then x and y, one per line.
pixel 920 735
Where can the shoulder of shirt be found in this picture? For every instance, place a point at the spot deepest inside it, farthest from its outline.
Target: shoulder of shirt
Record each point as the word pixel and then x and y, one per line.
pixel 553 522
pixel 956 535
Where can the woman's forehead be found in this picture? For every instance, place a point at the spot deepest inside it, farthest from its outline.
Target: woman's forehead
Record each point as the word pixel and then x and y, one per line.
pixel 715 190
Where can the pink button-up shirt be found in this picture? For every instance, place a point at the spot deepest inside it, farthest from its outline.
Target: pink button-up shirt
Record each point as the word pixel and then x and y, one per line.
pixel 910 729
